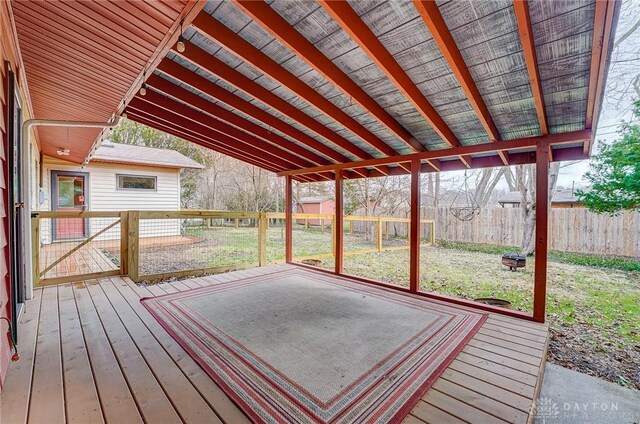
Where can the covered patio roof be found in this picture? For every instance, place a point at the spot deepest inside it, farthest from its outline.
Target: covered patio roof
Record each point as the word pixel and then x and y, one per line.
pixel 84 60
pixel 294 85
pixel 297 87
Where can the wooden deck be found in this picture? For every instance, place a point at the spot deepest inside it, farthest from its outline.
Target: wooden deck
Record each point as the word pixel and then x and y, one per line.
pixel 90 352
pixel 88 259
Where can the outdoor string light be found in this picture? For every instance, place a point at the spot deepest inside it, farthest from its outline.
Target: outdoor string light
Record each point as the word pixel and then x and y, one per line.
pixel 180 45
pixel 143 87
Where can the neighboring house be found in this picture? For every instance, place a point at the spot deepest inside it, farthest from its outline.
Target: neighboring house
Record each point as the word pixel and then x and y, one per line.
pixel 562 198
pixel 318 204
pixel 119 177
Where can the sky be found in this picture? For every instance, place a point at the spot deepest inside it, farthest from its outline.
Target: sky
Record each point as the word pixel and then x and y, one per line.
pixel 618 98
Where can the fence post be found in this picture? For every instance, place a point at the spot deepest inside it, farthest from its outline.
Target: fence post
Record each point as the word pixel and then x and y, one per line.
pixel 35 246
pixel 333 235
pixel 379 235
pixel 124 243
pixel 262 239
pixel 237 222
pixel 133 249
pixel 433 233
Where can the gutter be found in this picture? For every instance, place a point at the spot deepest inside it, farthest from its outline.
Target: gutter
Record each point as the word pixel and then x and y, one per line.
pixel 26 175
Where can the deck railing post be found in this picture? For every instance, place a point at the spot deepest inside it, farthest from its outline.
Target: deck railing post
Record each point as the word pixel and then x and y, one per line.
pixel 133 248
pixel 262 238
pixel 124 243
pixel 35 246
pixel 288 200
pixel 338 225
pixel 542 216
pixel 379 235
pixel 414 227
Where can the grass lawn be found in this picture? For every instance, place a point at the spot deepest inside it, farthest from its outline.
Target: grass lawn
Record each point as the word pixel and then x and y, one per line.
pixel 593 310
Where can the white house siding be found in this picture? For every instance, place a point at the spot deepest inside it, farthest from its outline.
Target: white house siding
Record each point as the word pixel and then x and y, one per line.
pixel 103 196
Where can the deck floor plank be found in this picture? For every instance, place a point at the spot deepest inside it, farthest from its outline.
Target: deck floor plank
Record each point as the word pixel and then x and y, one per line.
pixel 99 332
pixel 82 402
pixel 47 388
pixel 118 405
pixel 459 409
pixel 151 399
pixel 225 408
pixel 14 403
pixel 427 413
pixel 191 407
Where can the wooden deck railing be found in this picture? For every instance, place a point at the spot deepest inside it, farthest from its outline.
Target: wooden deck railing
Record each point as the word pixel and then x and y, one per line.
pixel 152 245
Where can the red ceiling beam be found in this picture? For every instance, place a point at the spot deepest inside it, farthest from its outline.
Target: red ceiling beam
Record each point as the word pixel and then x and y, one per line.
pixel 220 33
pixel 280 29
pixel 436 25
pixel 224 115
pixel 602 25
pixel 215 66
pixel 240 137
pixel 169 128
pixel 153 122
pixel 202 84
pixel 203 139
pixel 369 42
pixel 199 123
pixel 521 8
pixel 516 144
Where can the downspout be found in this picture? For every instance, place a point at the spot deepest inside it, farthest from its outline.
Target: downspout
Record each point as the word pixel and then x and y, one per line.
pixel 26 182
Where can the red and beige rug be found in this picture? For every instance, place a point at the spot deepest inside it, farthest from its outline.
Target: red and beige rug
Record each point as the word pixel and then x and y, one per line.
pixel 304 346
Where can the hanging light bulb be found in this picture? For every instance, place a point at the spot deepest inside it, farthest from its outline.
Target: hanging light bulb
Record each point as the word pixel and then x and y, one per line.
pixel 143 87
pixel 180 45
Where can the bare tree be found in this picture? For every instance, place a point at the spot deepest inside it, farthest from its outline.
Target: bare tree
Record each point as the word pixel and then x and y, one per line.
pixel 525 178
pixel 623 82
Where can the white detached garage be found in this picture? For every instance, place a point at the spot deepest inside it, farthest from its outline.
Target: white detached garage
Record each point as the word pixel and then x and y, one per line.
pixel 119 177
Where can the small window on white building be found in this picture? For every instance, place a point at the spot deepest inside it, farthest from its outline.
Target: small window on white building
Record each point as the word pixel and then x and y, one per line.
pixel 136 182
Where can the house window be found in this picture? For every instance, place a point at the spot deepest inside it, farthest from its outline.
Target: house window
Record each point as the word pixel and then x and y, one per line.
pixel 136 182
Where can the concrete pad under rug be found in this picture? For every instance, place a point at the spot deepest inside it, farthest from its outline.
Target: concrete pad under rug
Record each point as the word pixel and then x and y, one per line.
pixel 306 346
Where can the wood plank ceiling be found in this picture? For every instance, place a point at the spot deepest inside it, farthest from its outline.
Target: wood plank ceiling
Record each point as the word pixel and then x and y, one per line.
pixel 82 57
pixel 328 82
pixel 292 84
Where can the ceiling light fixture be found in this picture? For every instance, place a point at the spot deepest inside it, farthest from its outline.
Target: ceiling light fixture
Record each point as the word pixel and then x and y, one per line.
pixel 180 45
pixel 143 87
pixel 63 152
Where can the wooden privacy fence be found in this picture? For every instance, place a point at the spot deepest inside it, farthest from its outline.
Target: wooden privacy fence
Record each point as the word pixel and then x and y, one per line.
pixel 570 230
pixel 150 245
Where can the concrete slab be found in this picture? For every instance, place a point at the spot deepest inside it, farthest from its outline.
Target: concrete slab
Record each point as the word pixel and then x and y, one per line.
pixel 570 397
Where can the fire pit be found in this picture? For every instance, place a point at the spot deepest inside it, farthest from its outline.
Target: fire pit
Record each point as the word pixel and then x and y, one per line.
pixel 494 302
pixel 514 261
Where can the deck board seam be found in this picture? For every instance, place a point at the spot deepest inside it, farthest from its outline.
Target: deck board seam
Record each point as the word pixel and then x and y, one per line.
pixel 504 365
pixel 493 384
pixel 62 372
pixel 453 413
pixel 165 349
pixel 488 395
pixel 33 365
pixel 115 355
pixel 91 366
pixel 142 355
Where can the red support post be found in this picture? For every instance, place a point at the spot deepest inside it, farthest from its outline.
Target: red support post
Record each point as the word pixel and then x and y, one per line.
pixel 288 221
pixel 339 224
pixel 542 218
pixel 414 228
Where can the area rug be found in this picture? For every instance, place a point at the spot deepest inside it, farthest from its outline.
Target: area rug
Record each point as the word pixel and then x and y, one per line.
pixel 304 346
